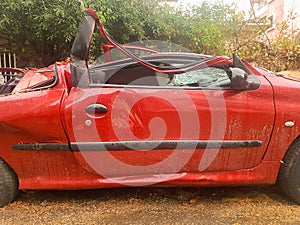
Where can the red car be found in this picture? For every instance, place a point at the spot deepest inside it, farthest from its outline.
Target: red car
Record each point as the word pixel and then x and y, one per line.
pixel 163 119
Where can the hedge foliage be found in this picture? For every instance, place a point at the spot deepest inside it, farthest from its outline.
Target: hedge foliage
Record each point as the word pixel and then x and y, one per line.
pixel 46 29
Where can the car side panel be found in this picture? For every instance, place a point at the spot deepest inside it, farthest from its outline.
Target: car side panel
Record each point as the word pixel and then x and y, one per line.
pixel 62 170
pixel 264 173
pixel 33 117
pixel 287 101
pixel 240 115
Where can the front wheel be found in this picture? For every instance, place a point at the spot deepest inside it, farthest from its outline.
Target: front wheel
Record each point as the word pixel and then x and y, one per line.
pixel 289 174
pixel 9 184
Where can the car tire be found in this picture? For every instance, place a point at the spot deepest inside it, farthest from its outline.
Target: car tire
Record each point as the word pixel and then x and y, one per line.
pixel 289 174
pixel 9 184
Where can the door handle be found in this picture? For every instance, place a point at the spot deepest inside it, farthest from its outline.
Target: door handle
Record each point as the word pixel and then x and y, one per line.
pixel 96 108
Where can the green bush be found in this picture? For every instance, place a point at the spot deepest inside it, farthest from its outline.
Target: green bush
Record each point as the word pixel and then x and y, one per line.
pixel 44 30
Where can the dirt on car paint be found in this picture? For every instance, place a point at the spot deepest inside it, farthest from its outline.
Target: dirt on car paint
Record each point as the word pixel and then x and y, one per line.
pixel 226 205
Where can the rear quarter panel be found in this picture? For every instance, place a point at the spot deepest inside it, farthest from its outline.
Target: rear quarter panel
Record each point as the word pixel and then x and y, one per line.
pixel 287 107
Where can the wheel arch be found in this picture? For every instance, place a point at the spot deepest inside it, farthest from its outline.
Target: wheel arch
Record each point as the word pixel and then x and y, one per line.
pixel 289 172
pixel 297 139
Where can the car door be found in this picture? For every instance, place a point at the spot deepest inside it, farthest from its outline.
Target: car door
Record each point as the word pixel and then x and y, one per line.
pixel 132 129
pixel 126 120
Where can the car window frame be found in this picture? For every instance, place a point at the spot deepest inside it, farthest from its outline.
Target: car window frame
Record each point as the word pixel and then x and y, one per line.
pixel 127 62
pixel 252 81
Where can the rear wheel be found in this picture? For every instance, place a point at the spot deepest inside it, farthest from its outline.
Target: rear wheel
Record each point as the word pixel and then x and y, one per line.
pixel 289 174
pixel 9 184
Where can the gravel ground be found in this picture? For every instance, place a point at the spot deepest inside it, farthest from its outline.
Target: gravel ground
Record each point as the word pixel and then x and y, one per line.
pixel 238 205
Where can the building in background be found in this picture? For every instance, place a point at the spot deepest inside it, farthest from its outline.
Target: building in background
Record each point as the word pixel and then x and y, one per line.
pixel 276 12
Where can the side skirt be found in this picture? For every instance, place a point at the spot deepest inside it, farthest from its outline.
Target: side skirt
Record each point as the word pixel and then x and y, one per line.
pixel 140 145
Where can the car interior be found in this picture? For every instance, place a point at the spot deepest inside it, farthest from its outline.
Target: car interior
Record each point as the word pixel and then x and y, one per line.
pixel 17 81
pixel 136 74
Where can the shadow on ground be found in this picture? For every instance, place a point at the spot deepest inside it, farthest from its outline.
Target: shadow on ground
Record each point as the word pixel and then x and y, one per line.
pixel 183 195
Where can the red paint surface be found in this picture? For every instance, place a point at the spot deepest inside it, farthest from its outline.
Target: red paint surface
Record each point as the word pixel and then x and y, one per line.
pixel 248 115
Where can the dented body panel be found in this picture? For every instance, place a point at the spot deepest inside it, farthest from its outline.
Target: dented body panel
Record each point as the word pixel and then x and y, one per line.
pixel 249 116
